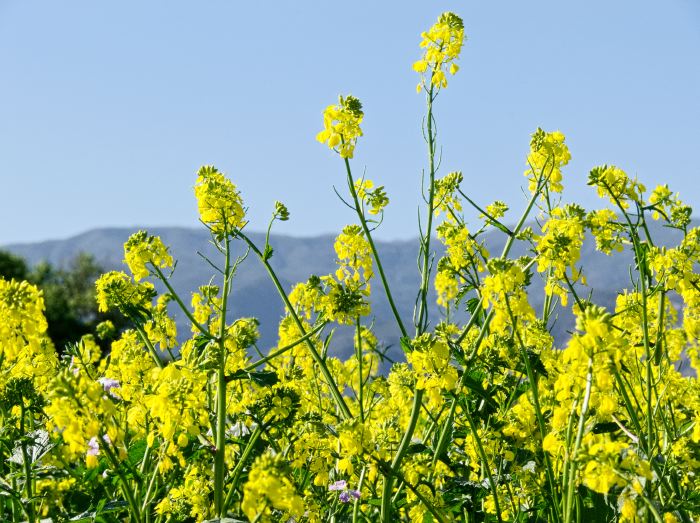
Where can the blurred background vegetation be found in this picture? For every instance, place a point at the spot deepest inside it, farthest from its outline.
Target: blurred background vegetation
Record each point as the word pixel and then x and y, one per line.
pixel 69 295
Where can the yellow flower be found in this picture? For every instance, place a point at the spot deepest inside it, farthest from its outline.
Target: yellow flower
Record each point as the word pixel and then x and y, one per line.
pixel 354 256
pixel 548 154
pixel 26 353
pixel 341 126
pixel 268 487
pixel 375 198
pixel 141 249
pixel 614 183
pixel 219 202
pixel 116 289
pixel 442 44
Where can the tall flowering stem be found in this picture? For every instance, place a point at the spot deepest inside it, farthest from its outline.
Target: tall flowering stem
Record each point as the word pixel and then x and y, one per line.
pixel 375 254
pixel 442 44
pixel 421 318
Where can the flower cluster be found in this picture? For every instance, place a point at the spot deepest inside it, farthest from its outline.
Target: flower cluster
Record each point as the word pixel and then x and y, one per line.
pixel 665 203
pixel 548 154
pixel 559 249
pixel 142 249
pixel 25 350
pixel 442 43
pixel 373 197
pixel 116 290
pixel 268 488
pixel 614 183
pixel 219 202
pixel 341 126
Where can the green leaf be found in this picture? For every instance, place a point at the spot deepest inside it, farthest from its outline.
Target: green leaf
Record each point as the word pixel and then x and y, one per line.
pixel 102 508
pixel 417 448
pixel 406 345
pixel 136 452
pixel 604 428
pixel 472 305
pixel 267 252
pixel 264 378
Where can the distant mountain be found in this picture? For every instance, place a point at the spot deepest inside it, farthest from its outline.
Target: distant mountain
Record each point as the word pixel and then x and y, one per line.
pixel 295 259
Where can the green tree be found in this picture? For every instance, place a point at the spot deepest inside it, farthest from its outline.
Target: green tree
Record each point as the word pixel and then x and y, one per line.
pixel 12 267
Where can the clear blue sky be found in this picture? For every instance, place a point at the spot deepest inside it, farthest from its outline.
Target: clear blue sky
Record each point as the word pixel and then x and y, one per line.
pixel 108 108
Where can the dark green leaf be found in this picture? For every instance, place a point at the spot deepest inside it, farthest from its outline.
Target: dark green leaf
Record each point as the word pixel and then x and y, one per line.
pixel 604 428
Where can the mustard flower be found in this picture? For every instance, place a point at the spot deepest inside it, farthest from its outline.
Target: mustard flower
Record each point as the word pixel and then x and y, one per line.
pixel 191 497
pixel 548 154
pixel 442 43
pixel 354 256
pixel 374 197
pixel 446 198
pixel 116 289
pixel 673 209
pixel 84 416
pixel 446 284
pixel 559 248
pixel 504 289
pixel 341 126
pixel 434 373
pixel 25 349
pixel 614 183
pixel 268 487
pixel 219 202
pixel 141 249
pixel 606 230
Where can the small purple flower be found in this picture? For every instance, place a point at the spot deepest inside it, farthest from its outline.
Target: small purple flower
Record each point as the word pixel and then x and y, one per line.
pixel 107 439
pixel 108 384
pixel 348 495
pixel 339 485
pixel 93 447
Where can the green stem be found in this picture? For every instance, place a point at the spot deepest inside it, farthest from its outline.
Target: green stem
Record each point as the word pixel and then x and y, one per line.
pixel 484 459
pixel 356 503
pixel 433 511
pixel 201 328
pixel 421 320
pixel 27 468
pixel 123 483
pixel 375 254
pixel 400 453
pixel 444 433
pixel 538 413
pixel 442 441
pixel 571 476
pixel 219 458
pixel 241 463
pixel 359 365
pixel 147 495
pixel 149 345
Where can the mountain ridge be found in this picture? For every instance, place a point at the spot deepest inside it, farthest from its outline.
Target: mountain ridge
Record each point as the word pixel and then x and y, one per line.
pixel 297 258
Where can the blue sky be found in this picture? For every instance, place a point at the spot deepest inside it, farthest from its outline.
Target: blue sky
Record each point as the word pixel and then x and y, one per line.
pixel 108 108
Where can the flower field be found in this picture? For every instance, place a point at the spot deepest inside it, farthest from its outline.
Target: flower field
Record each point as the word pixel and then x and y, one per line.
pixel 485 419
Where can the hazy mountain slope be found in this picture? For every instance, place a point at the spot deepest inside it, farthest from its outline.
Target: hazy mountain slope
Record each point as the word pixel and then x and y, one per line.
pixel 295 259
